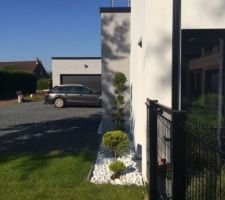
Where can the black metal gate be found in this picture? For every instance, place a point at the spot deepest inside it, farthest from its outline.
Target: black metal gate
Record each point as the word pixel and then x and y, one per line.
pixel 182 166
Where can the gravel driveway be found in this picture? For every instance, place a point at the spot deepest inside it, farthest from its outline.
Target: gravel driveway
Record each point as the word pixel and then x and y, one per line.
pixel 35 127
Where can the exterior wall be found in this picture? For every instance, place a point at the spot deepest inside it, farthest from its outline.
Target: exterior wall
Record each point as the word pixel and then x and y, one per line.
pixel 151 67
pixel 115 36
pixel 203 14
pixel 74 66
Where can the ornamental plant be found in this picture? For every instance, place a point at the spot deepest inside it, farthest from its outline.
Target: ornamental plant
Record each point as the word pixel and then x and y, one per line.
pixel 165 169
pixel 117 141
pixel 117 167
pixel 119 81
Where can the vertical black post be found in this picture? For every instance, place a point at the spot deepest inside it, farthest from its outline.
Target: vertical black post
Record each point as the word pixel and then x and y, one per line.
pixel 153 148
pixel 176 54
pixel 179 155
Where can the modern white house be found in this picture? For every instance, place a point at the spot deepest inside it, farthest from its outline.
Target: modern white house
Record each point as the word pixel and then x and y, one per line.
pixel 163 39
pixel 77 70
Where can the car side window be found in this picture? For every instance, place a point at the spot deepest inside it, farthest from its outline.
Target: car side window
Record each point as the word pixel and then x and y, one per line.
pixel 63 89
pixel 72 90
pixel 83 90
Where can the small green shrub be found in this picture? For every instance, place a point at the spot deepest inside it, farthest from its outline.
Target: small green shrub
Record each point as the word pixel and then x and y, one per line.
pixel 43 83
pixel 117 141
pixel 117 167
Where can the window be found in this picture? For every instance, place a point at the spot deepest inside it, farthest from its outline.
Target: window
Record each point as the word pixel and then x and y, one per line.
pixel 63 89
pixel 72 90
pixel 203 76
pixel 83 90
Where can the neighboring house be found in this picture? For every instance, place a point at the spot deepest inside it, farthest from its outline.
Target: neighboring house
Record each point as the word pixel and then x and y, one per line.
pixel 35 67
pixel 77 70
pixel 153 61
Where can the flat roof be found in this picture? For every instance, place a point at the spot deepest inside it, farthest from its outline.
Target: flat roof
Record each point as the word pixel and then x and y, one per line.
pixel 115 10
pixel 76 58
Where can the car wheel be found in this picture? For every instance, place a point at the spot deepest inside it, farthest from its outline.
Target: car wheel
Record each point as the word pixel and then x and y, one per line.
pixel 59 102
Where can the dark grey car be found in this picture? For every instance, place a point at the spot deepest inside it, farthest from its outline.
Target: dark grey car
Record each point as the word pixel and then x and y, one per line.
pixel 72 95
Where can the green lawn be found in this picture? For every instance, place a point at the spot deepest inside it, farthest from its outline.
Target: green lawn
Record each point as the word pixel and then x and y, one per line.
pixel 56 176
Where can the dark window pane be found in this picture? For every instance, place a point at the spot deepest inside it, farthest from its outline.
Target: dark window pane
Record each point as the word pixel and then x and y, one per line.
pixel 203 80
pixel 83 90
pixel 72 90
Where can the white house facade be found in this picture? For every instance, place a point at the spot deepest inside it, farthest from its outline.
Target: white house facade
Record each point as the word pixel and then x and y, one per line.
pixel 77 70
pixel 167 39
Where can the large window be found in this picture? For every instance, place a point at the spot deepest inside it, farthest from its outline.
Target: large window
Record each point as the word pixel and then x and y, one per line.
pixel 203 80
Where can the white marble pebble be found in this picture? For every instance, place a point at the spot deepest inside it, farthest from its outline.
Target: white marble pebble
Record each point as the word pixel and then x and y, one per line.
pixel 102 174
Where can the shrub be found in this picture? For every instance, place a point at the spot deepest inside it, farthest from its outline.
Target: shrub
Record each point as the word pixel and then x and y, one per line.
pixel 117 167
pixel 202 118
pixel 11 81
pixel 43 83
pixel 119 102
pixel 221 183
pixel 117 141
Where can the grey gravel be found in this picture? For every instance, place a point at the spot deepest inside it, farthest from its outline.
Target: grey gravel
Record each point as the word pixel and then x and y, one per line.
pixel 29 127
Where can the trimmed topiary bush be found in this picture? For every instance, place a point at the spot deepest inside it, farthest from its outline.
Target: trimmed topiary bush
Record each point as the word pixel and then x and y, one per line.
pixel 117 167
pixel 119 82
pixel 117 141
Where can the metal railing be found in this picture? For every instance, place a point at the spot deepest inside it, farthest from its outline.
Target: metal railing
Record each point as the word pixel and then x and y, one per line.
pixel 181 164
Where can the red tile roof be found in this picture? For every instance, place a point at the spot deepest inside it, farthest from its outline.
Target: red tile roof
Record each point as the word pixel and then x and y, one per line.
pixel 25 65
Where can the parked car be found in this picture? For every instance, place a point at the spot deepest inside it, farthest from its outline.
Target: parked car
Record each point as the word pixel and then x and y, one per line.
pixel 72 95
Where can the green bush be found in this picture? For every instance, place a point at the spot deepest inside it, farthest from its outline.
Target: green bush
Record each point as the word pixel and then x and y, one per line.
pixel 195 189
pixel 221 183
pixel 117 167
pixel 12 81
pixel 117 141
pixel 43 83
pixel 202 118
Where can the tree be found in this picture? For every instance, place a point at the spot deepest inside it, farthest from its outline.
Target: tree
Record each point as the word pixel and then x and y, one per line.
pixel 119 102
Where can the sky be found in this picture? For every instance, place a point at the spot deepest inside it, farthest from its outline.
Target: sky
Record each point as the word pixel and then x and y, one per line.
pixel 49 28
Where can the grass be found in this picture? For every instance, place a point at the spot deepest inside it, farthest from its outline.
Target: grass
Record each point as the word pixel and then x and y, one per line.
pixel 35 97
pixel 56 176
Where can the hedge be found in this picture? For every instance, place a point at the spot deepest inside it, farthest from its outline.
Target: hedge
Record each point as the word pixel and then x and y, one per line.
pixel 12 81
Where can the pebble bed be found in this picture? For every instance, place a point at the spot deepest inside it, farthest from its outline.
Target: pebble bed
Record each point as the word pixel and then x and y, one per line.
pixel 102 174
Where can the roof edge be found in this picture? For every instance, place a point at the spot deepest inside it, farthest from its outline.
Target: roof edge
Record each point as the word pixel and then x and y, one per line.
pixel 115 10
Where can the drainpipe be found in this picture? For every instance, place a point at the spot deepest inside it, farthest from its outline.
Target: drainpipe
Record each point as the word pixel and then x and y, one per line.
pixel 176 56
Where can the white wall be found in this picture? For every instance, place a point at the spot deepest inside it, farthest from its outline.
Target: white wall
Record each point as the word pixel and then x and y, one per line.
pixel 203 14
pixel 74 66
pixel 115 36
pixel 151 69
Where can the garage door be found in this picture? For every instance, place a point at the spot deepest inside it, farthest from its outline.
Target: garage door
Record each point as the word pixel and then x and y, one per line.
pixel 91 81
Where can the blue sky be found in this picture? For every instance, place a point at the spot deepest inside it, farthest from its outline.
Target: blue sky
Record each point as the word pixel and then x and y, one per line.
pixel 48 28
